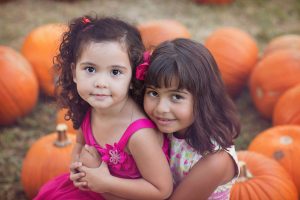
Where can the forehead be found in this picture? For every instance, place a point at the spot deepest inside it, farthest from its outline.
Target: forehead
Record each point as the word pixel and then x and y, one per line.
pixel 104 54
pixel 86 47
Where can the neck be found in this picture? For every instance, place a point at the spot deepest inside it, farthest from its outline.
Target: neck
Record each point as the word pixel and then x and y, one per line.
pixel 180 135
pixel 123 108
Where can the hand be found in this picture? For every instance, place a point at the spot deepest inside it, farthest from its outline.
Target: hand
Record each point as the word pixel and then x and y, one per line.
pixel 90 157
pixel 77 176
pixel 97 179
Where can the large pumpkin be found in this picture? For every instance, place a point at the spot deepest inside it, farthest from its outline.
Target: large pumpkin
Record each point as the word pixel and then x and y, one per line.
pixel 60 118
pixel 236 53
pixel 288 41
pixel 287 108
pixel 48 157
pixel 39 47
pixel 281 143
pixel 155 32
pixel 262 178
pixel 19 86
pixel 273 75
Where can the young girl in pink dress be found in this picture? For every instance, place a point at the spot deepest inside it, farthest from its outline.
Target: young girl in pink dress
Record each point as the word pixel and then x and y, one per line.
pixel 185 97
pixel 96 65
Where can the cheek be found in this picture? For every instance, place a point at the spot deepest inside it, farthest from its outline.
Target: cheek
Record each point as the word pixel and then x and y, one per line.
pixel 148 105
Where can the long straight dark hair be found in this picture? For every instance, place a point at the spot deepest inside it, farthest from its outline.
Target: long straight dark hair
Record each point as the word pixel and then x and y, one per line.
pixel 191 63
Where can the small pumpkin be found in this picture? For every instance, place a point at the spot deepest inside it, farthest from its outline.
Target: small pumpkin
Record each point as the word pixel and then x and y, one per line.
pixel 282 143
pixel 271 77
pixel 287 41
pixel 262 178
pixel 60 118
pixel 287 108
pixel 236 53
pixel 19 86
pixel 39 47
pixel 157 31
pixel 47 158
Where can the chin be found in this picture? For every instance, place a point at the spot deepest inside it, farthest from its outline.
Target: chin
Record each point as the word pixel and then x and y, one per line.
pixel 165 130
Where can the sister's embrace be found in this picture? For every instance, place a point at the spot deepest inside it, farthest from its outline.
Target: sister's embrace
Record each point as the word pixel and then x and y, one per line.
pixel 106 80
pixel 186 99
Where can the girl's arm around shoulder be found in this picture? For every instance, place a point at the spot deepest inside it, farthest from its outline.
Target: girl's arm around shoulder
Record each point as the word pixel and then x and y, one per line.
pixel 78 145
pixel 156 181
pixel 206 175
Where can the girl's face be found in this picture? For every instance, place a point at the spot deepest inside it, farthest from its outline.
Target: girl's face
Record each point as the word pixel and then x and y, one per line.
pixel 169 108
pixel 103 74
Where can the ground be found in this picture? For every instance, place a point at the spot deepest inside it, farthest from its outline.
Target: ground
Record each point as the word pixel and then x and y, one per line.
pixel 263 19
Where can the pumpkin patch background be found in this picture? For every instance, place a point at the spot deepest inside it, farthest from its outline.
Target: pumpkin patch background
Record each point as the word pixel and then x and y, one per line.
pixel 260 20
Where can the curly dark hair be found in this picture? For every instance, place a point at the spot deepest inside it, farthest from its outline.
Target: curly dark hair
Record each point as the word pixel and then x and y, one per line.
pixel 192 64
pixel 82 31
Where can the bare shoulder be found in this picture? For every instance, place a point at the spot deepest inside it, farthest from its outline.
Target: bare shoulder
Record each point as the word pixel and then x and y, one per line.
pixel 220 164
pixel 208 173
pixel 145 137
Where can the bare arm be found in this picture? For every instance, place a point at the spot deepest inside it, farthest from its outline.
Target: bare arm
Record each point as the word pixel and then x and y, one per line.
pixel 156 181
pixel 205 177
pixel 78 146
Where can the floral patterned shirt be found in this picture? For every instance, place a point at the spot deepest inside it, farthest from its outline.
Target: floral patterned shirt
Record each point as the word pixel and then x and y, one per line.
pixel 183 157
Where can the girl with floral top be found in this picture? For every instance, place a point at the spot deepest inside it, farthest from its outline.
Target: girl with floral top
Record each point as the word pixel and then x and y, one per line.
pixel 185 97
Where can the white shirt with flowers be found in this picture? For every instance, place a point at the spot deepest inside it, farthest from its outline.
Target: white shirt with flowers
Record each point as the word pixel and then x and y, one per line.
pixel 183 157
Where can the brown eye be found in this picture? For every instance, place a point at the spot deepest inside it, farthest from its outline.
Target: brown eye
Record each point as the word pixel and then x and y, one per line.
pixel 115 72
pixel 90 69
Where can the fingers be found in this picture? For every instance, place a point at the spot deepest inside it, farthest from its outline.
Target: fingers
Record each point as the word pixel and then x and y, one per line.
pixel 80 184
pixel 77 176
pixel 74 167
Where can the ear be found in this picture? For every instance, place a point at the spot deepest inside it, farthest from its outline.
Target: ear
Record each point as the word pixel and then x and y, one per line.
pixel 131 86
pixel 73 68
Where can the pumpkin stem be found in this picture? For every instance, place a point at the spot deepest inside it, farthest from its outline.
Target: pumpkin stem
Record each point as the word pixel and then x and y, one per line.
pixel 62 138
pixel 245 174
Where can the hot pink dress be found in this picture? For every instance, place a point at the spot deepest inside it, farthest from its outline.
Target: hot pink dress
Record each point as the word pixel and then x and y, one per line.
pixel 120 163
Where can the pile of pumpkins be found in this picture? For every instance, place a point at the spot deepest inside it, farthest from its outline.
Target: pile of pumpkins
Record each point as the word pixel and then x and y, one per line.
pixel 269 167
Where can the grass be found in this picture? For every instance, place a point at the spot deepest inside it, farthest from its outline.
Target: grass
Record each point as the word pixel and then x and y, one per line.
pixel 263 19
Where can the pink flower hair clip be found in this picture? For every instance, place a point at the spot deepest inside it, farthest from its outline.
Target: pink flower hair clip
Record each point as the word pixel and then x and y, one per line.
pixel 86 20
pixel 141 69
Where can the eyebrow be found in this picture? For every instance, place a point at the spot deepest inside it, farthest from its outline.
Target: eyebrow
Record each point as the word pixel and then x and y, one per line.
pixel 175 90
pixel 113 66
pixel 118 66
pixel 87 63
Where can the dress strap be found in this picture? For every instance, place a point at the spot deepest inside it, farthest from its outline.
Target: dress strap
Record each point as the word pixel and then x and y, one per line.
pixel 132 128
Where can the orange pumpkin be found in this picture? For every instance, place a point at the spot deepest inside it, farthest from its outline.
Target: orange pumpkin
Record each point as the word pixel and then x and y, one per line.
pixel 155 32
pixel 47 158
pixel 281 143
pixel 262 178
pixel 19 86
pixel 272 76
pixel 236 53
pixel 60 118
pixel 39 47
pixel 288 41
pixel 213 1
pixel 287 108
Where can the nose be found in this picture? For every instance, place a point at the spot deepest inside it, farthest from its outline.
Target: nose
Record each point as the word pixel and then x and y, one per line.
pixel 100 82
pixel 163 106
